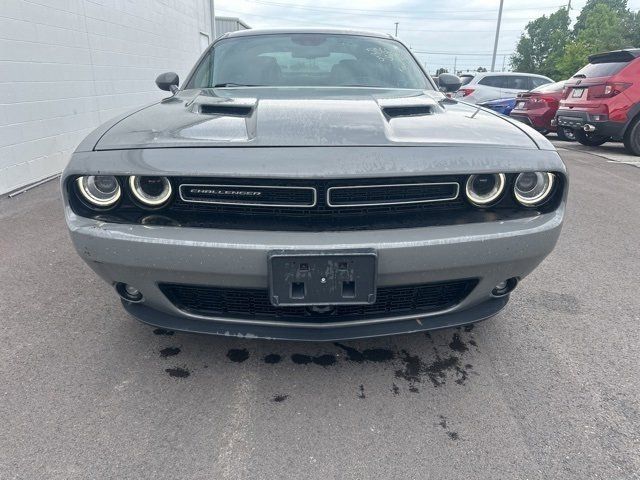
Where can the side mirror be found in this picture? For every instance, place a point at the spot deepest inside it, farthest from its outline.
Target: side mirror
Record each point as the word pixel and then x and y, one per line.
pixel 168 81
pixel 449 83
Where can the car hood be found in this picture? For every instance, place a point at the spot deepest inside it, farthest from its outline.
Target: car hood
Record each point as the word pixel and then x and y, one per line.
pixel 289 117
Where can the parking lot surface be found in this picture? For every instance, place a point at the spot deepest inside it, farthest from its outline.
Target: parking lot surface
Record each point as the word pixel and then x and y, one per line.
pixel 611 151
pixel 549 388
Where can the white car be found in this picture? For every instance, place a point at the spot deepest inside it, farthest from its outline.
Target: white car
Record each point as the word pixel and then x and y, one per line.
pixel 486 86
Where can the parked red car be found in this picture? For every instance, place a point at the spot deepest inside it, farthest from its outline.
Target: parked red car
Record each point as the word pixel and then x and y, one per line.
pixel 538 108
pixel 602 101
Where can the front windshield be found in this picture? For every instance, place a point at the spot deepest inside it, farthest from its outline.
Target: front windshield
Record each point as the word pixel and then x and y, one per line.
pixel 309 60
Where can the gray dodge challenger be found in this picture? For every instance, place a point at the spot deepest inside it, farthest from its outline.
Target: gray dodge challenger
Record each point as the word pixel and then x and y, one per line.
pixel 312 185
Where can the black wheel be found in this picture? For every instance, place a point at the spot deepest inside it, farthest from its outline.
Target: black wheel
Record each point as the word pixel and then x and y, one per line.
pixel 543 132
pixel 590 139
pixel 632 138
pixel 566 134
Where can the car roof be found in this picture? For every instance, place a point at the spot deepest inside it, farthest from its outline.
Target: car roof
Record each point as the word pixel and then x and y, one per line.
pixel 325 31
pixel 509 74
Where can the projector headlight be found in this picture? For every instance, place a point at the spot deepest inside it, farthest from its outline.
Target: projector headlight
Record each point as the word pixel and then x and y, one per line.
pixel 533 188
pixel 150 191
pixel 484 189
pixel 99 190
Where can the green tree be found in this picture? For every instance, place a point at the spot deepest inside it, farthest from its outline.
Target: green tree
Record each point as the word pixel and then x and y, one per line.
pixel 441 70
pixel 603 30
pixel 574 58
pixel 619 7
pixel 481 69
pixel 542 44
pixel 634 30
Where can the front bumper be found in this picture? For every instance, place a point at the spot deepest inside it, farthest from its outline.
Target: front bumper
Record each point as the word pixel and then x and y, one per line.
pixel 576 120
pixel 145 256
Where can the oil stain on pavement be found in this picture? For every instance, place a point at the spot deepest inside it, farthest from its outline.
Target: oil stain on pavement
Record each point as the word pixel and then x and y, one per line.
pixel 238 355
pixel 272 358
pixel 162 331
pixel 411 368
pixel 178 372
pixel 451 434
pixel 169 352
pixel 322 360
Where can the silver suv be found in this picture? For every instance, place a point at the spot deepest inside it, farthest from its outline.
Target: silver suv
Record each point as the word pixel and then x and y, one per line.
pixel 487 86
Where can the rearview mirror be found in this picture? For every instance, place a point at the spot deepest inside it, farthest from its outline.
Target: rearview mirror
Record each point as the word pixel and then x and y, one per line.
pixel 449 83
pixel 168 81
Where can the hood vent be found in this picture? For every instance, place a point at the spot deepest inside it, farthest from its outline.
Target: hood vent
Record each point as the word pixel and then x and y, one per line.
pixel 229 110
pixel 408 111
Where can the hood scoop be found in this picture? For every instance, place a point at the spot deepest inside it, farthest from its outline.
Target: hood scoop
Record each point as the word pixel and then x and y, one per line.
pixel 408 111
pixel 231 107
pixel 408 107
pixel 222 109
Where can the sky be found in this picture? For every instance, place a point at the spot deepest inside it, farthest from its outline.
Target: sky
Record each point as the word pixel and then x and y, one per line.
pixel 441 34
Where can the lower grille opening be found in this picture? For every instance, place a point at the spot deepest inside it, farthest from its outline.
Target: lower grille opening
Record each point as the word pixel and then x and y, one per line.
pixel 254 303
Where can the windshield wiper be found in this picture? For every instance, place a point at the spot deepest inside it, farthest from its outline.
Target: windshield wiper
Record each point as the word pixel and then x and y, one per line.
pixel 231 84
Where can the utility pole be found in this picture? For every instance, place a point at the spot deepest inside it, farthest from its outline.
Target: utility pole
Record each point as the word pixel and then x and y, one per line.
pixel 504 61
pixel 455 65
pixel 495 44
pixel 569 6
pixel 213 21
pixel 396 28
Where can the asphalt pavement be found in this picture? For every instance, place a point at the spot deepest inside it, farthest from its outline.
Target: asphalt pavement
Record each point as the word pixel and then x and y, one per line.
pixel 549 388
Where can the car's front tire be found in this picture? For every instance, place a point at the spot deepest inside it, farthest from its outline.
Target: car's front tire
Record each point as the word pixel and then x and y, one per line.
pixel 590 139
pixel 566 134
pixel 632 138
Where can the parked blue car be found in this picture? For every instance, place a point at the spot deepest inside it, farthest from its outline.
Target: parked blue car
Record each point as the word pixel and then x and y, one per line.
pixel 502 106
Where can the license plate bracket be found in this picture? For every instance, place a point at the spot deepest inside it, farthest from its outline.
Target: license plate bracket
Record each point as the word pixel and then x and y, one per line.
pixel 313 278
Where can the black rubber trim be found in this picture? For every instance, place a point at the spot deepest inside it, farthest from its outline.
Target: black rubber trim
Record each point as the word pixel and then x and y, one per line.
pixel 156 318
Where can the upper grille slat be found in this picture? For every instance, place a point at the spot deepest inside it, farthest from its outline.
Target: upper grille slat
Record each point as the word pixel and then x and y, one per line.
pixel 398 194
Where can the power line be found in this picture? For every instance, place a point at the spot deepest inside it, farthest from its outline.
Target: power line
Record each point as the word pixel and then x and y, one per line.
pixel 430 18
pixel 360 11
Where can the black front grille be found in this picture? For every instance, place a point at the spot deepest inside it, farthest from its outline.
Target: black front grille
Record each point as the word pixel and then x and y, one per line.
pixel 322 216
pixel 369 195
pixel 422 201
pixel 255 304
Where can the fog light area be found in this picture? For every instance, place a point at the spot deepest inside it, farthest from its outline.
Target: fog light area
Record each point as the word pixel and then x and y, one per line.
pixel 129 292
pixel 505 287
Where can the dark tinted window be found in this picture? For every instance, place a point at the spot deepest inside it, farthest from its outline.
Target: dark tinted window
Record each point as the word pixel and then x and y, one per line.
pixel 466 79
pixel 498 81
pixel 518 83
pixel 309 60
pixel 600 69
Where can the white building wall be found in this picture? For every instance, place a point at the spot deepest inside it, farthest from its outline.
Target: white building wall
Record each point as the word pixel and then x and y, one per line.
pixel 66 66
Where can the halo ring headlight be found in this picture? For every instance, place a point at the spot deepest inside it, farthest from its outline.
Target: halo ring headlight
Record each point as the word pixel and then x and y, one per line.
pixel 533 188
pixel 150 191
pixel 101 191
pixel 484 189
